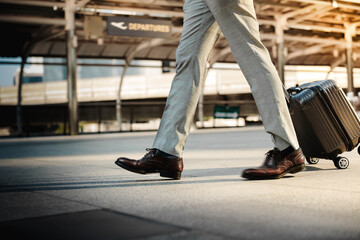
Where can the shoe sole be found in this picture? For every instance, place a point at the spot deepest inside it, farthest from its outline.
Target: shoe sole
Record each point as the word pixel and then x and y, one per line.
pixel 292 170
pixel 168 174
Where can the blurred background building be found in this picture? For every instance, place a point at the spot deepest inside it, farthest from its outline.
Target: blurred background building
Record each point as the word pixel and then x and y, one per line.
pixel 68 67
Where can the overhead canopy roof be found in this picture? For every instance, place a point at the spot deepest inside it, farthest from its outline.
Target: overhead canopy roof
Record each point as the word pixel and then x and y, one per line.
pixel 314 30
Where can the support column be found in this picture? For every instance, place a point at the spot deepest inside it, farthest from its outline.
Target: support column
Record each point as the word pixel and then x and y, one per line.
pixel 279 31
pixel 19 98
pixel 118 100
pixel 349 70
pixel 99 118
pixel 71 44
pixel 349 33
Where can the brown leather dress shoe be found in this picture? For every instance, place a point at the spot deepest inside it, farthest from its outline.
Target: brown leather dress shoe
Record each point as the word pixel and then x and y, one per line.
pixel 154 162
pixel 276 165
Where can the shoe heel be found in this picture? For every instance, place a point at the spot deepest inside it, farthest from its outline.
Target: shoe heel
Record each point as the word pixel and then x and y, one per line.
pixel 298 168
pixel 171 174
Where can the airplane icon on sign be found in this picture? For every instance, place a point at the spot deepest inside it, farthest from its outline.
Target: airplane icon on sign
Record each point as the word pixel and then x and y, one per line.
pixel 119 25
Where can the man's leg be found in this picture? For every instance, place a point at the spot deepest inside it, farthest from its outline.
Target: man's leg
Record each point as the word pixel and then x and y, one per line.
pixel 237 20
pixel 200 33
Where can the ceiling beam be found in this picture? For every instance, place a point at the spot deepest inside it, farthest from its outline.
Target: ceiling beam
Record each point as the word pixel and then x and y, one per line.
pixel 36 20
pixel 307 9
pixel 32 20
pixel 303 26
pixel 35 3
pixel 350 5
pixel 351 1
pixel 315 27
pixel 307 51
pixel 134 10
pixel 148 44
pixel 148 2
pixel 287 37
pixel 312 14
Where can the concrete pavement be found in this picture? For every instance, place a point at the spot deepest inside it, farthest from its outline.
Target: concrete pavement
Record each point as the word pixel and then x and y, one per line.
pixel 69 188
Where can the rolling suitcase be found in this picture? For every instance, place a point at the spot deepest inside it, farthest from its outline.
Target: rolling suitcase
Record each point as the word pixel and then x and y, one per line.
pixel 325 122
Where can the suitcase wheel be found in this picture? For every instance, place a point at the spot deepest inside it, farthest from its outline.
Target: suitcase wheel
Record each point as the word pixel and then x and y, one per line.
pixel 312 160
pixel 341 162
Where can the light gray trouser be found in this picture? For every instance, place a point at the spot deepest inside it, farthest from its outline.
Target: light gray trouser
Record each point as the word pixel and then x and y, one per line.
pixel 204 19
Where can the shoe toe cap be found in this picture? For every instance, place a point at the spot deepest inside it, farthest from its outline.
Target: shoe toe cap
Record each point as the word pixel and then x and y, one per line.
pixel 122 161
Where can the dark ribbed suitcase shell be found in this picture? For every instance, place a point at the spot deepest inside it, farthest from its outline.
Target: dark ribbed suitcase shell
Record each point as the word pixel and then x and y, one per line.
pixel 324 120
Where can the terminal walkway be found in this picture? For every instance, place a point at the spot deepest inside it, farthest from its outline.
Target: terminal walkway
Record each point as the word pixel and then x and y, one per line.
pixel 68 187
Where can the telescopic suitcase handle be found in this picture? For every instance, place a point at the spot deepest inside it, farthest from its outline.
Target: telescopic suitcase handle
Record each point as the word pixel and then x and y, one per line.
pixel 293 90
pixel 289 92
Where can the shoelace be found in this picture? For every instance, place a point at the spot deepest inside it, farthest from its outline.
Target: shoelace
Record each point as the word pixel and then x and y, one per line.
pixel 150 152
pixel 271 156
